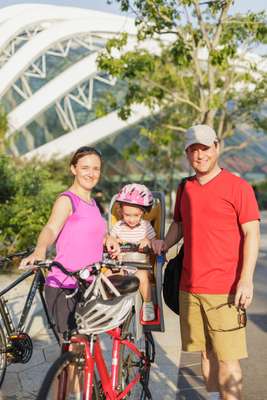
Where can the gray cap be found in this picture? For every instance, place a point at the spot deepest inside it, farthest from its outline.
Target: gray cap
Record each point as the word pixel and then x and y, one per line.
pixel 202 134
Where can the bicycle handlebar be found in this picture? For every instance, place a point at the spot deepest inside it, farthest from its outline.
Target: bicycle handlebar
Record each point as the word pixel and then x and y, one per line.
pixel 94 269
pixel 134 247
pixel 80 274
pixel 125 247
pixel 19 254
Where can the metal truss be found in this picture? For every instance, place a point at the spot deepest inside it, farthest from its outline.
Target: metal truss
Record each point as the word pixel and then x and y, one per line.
pixel 39 70
pixel 81 95
pixel 18 41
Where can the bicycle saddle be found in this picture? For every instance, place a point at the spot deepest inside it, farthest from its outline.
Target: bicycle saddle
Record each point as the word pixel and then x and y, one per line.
pixel 125 284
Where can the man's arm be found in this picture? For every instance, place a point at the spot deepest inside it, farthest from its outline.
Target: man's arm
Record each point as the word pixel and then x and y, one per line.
pixel 174 234
pixel 244 292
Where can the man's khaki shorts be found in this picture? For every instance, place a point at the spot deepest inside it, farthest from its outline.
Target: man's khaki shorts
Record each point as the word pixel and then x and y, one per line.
pixel 212 322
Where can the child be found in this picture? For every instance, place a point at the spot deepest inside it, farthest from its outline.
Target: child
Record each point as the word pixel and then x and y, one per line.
pixel 135 200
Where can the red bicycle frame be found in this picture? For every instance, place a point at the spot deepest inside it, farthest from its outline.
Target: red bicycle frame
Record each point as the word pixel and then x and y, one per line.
pixel 93 356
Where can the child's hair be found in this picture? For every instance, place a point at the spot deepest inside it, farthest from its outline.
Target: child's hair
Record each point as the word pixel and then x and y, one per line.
pixel 136 195
pixel 84 151
pixel 144 209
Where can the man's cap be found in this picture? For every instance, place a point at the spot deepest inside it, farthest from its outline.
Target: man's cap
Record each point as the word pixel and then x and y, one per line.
pixel 202 134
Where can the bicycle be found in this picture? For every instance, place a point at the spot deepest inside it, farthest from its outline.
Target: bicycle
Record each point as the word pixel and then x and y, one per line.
pixel 107 306
pixel 15 343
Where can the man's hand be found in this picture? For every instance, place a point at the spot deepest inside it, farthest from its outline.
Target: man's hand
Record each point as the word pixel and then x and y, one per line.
pixel 244 294
pixel 159 246
pixel 113 246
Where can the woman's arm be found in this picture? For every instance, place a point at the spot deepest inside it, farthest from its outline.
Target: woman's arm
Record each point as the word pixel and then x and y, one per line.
pixel 61 210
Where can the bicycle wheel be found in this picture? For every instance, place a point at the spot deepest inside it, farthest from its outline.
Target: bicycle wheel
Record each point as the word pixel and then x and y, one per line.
pixel 3 355
pixel 130 364
pixel 66 375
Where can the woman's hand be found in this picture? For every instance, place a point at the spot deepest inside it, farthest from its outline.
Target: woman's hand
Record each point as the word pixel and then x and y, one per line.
pixel 37 255
pixel 113 246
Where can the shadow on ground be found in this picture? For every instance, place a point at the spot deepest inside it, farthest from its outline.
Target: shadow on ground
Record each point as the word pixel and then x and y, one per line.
pixel 260 320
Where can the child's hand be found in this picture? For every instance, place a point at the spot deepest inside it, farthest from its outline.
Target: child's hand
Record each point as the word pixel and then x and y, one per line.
pixel 144 243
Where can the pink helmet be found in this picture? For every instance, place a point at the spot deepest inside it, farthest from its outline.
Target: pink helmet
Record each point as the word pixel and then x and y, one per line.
pixel 135 194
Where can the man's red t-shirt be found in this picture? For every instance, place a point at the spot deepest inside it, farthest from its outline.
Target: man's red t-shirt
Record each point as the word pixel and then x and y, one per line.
pixel 212 215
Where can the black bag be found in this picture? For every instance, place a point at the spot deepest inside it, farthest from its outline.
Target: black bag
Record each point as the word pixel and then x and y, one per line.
pixel 171 281
pixel 172 274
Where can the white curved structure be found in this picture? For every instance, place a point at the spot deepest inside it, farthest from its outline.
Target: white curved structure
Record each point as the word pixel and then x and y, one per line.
pixel 89 134
pixel 48 72
pixel 14 11
pixel 11 28
pixel 53 90
pixel 46 39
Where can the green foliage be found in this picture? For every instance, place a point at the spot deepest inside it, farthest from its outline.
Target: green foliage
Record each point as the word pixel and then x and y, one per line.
pixel 197 68
pixel 7 179
pixel 200 73
pixel 3 128
pixel 260 190
pixel 29 192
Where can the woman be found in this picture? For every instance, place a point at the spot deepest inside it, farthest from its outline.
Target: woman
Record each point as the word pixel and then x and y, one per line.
pixel 79 230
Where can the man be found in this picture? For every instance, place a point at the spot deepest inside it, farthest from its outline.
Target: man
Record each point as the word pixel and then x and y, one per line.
pixel 218 216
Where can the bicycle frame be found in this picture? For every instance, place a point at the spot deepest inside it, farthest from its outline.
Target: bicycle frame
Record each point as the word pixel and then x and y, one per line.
pixel 94 357
pixel 37 284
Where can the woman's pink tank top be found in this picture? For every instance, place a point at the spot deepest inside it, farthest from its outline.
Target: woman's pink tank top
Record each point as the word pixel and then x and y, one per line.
pixel 80 241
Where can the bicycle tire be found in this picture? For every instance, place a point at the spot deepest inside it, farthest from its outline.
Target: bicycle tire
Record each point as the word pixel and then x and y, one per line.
pixel 59 370
pixel 129 364
pixel 3 355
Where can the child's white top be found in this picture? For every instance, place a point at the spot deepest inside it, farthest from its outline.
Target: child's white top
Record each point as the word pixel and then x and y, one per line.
pixel 133 235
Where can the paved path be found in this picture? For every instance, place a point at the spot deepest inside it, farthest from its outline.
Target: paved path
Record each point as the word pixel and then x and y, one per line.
pixel 175 375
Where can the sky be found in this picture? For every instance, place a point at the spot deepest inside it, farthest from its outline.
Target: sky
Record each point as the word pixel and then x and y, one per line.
pixel 101 5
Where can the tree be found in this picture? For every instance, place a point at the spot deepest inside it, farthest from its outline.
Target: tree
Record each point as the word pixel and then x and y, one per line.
pixel 205 71
pixel 3 129
pixel 28 193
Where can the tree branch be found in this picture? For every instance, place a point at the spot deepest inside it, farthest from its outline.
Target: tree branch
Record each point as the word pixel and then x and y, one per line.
pixel 173 95
pixel 174 128
pixel 243 145
pixel 199 74
pixel 221 21
pixel 221 123
pixel 201 23
pixel 167 20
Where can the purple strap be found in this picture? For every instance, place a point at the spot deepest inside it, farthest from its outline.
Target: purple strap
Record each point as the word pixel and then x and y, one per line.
pixel 74 200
